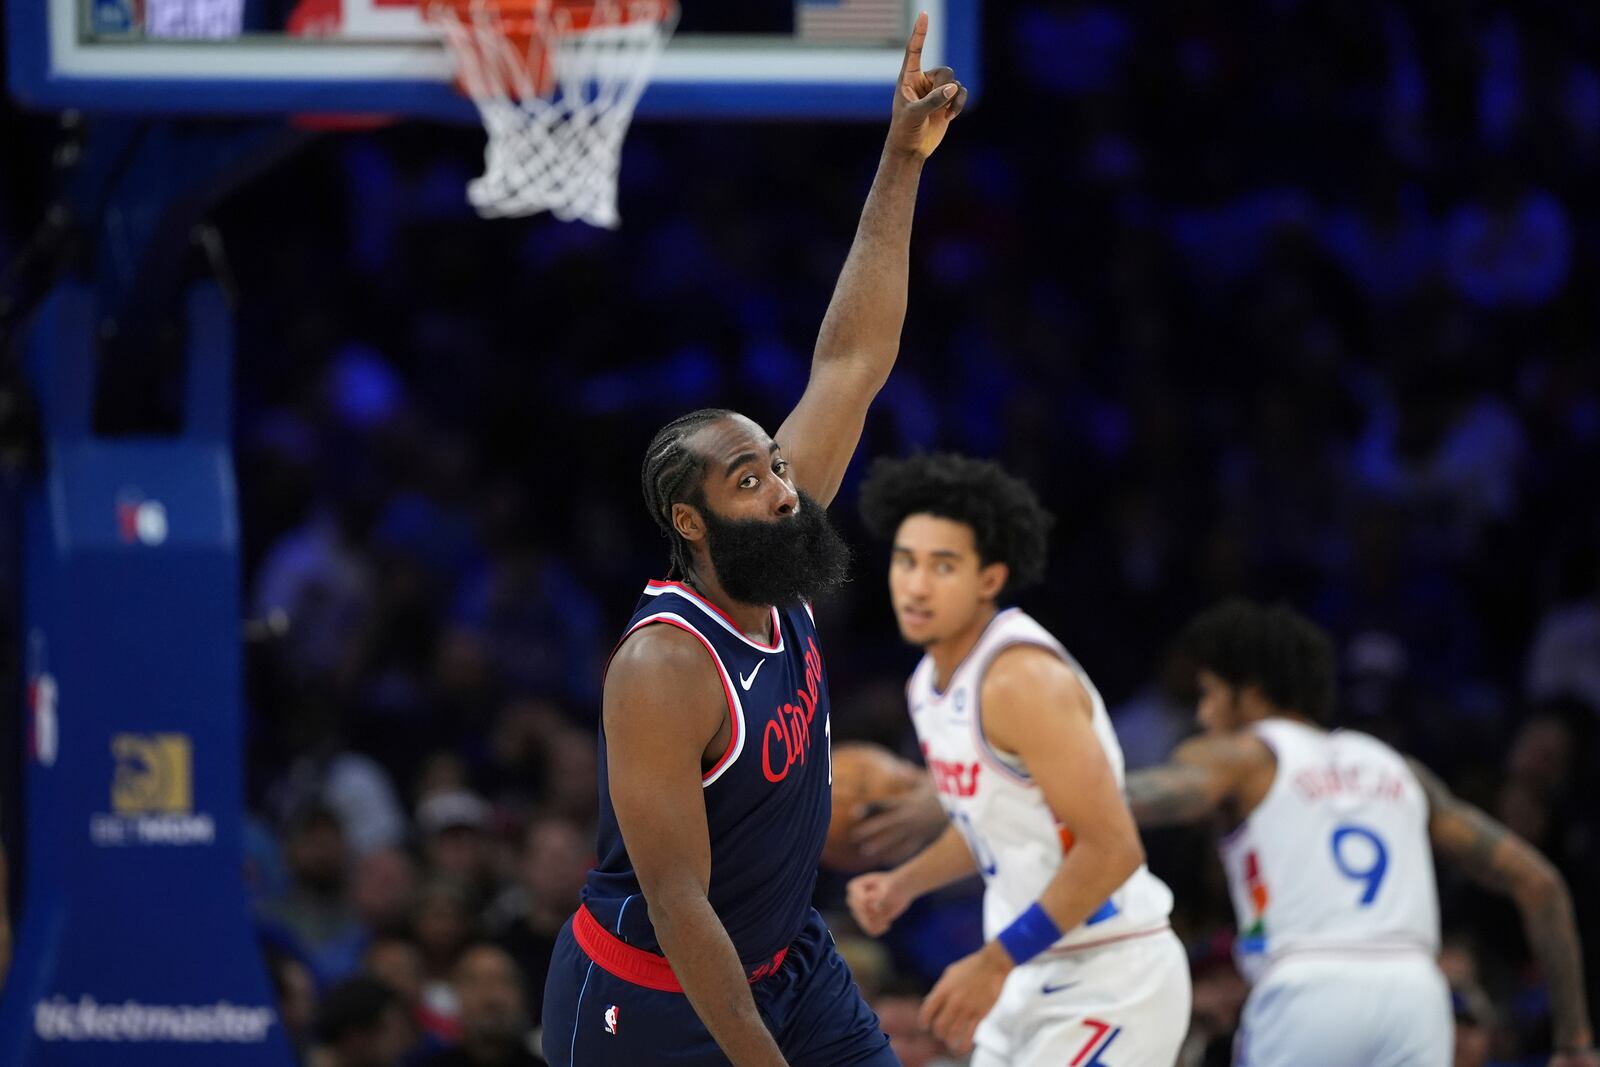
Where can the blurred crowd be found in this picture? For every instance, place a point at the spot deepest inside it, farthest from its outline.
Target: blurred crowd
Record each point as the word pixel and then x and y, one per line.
pixel 1293 299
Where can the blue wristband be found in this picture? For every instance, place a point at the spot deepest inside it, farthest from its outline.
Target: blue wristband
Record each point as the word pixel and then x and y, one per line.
pixel 1032 933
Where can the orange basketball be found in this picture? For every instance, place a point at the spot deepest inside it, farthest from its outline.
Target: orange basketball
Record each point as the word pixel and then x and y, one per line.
pixel 864 774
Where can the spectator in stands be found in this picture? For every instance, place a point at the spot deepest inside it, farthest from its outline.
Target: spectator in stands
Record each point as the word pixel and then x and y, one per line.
pixel 556 857
pixel 385 889
pixel 296 996
pixel 315 914
pixel 494 1015
pixel 443 927
pixel 395 960
pixel 454 828
pixel 361 1024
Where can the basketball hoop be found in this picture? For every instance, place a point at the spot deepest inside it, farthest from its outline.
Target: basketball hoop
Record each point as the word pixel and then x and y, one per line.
pixel 556 82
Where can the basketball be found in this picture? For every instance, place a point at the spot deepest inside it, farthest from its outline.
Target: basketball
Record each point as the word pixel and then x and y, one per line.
pixel 864 775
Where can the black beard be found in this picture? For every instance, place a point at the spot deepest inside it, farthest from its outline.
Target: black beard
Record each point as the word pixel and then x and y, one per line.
pixel 781 561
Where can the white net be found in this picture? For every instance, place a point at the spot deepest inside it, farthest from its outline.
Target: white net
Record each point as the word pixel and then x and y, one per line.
pixel 556 107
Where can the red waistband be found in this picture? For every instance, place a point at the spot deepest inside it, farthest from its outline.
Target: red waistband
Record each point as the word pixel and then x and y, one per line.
pixel 638 966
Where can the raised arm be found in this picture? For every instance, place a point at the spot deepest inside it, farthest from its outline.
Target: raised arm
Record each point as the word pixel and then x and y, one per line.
pixel 662 708
pixel 860 334
pixel 1497 858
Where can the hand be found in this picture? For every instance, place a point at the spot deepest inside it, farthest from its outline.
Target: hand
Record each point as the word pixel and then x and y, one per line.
pixel 901 825
pixel 1585 1058
pixel 964 994
pixel 925 102
pixel 876 901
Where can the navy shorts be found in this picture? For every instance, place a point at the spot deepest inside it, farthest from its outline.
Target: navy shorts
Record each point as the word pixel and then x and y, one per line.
pixel 592 1018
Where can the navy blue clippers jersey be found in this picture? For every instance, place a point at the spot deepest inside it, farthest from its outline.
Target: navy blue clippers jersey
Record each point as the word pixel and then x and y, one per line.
pixel 767 798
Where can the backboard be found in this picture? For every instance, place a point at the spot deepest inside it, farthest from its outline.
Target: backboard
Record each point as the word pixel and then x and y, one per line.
pixel 729 58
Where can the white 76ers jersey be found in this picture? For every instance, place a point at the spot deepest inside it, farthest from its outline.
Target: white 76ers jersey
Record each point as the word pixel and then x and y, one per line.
pixel 1336 858
pixel 1015 838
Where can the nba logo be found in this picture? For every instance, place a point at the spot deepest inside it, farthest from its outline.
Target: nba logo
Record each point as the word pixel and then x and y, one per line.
pixel 141 521
pixel 46 734
pixel 611 1019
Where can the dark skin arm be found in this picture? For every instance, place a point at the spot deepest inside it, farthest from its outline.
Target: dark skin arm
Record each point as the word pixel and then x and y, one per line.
pixel 1206 776
pixel 901 825
pixel 860 335
pixel 664 714
pixel 1498 859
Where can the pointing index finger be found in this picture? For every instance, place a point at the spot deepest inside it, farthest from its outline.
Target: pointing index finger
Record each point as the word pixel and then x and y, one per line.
pixel 913 60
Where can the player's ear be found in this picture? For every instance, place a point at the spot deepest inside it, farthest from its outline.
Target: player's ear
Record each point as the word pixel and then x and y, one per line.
pixel 686 519
pixel 991 579
pixel 1252 702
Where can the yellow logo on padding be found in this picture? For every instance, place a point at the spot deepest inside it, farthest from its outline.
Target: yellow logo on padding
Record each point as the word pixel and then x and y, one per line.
pixel 154 773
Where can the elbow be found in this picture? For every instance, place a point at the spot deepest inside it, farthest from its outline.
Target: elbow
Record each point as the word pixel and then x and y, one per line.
pixel 1123 857
pixel 670 907
pixel 1540 888
pixel 1134 855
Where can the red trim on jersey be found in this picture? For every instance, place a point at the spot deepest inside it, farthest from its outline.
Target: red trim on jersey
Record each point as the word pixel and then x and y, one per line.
pixel 617 957
pixel 693 594
pixel 722 676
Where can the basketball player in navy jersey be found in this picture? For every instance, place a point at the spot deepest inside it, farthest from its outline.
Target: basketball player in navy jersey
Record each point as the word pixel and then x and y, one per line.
pixel 696 943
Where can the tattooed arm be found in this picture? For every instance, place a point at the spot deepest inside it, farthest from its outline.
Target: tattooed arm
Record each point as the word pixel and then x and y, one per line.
pixel 1204 774
pixel 1495 857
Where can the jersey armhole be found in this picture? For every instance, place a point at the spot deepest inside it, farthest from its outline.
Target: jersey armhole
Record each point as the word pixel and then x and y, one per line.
pixel 1005 763
pixel 1277 766
pixel 736 730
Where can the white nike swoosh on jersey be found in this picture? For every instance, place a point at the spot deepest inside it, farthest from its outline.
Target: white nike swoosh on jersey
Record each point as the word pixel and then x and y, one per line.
pixel 748 682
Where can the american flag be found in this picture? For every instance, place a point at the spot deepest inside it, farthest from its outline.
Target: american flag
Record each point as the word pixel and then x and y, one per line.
pixel 872 21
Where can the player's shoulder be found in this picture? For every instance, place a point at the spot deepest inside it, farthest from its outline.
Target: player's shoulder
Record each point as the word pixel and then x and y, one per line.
pixel 661 679
pixel 1024 675
pixel 1013 625
pixel 1024 663
pixel 1371 747
pixel 1238 752
pixel 660 651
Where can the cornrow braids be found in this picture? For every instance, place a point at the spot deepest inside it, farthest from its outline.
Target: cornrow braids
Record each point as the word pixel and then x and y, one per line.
pixel 671 475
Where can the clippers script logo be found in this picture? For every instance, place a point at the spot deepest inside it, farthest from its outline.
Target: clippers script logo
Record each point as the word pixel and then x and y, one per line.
pixel 787 736
pixel 154 774
pixel 611 1019
pixel 152 795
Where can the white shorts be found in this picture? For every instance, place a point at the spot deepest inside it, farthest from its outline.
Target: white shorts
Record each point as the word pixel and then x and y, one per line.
pixel 1348 1010
pixel 1124 1005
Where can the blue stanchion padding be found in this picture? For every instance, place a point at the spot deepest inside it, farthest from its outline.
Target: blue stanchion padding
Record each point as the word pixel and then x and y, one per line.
pixel 135 945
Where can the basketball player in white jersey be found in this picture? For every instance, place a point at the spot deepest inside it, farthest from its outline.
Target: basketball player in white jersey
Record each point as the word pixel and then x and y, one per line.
pixel 1080 966
pixel 1329 862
